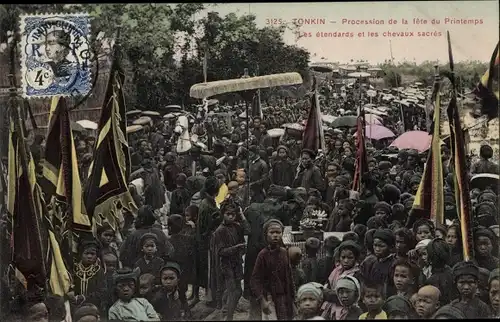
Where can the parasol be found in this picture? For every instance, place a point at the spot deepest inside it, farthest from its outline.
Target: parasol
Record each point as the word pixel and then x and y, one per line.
pixel 77 127
pixel 375 111
pixel 377 132
pixel 87 124
pixel 274 133
pixel 170 108
pixel 328 118
pixel 345 121
pixel 418 140
pixel 485 180
pixel 321 69
pixel 294 130
pixel 372 119
pixel 143 120
pixel 203 90
pixel 134 128
pixel 358 75
pixel 151 113
pixel 133 112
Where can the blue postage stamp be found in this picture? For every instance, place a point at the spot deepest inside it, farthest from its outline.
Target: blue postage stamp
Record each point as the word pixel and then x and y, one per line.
pixel 55 55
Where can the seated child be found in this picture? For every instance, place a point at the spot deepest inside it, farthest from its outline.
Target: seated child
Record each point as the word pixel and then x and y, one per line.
pixel 309 300
pixel 398 307
pixel 128 307
pixel 299 277
pixel 166 300
pixel 373 299
pixel 150 262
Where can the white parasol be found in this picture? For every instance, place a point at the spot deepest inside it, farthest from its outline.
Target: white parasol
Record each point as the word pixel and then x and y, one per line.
pixel 358 75
pixel 87 124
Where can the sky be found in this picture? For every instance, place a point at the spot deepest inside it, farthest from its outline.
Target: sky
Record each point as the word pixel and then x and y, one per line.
pixel 473 27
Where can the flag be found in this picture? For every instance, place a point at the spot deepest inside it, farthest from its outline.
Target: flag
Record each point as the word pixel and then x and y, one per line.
pixel 256 106
pixel 361 166
pixel 106 190
pixel 61 181
pixel 459 167
pixel 487 89
pixel 37 251
pixel 313 138
pixel 429 200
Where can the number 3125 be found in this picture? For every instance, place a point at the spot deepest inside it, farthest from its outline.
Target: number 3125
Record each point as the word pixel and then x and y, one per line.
pixel 274 21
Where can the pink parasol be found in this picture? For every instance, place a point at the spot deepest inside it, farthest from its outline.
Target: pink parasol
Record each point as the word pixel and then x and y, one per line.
pixel 372 119
pixel 377 132
pixel 418 140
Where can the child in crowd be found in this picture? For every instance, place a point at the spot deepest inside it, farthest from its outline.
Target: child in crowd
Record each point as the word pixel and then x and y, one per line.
pixel 484 241
pixel 310 263
pixel 166 301
pixel 230 246
pixel 373 298
pixel 404 242
pixel 423 229
pixel 427 301
pixel 466 276
pixel 309 300
pixel 272 274
pixel 107 238
pixel 348 291
pixel 405 278
pixel 87 313
pixel 149 263
pixel 146 286
pixel 128 307
pixel 494 292
pixel 295 256
pixel 327 263
pixel 349 266
pixel 377 272
pixel 398 307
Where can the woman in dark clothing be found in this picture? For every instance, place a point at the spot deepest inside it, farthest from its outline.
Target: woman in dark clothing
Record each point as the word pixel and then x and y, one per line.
pixel 454 240
pixel 438 254
pixel 130 251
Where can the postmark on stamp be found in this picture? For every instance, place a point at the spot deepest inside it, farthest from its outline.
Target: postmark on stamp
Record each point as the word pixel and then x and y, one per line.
pixel 55 55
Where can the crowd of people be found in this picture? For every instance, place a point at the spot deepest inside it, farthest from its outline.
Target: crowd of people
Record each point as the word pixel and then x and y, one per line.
pixel 210 221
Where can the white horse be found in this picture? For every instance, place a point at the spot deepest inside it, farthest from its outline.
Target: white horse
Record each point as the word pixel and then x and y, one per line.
pixel 182 128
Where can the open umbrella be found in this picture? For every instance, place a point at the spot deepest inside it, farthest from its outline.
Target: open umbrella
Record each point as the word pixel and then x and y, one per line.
pixel 151 113
pixel 418 140
pixel 485 180
pixel 372 119
pixel 76 127
pixel 275 133
pixel 321 69
pixel 134 128
pixel 133 112
pixel 143 120
pixel 87 124
pixel 377 132
pixel 358 75
pixel 345 121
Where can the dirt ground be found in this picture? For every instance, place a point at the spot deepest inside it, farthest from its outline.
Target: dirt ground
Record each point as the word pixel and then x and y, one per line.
pixel 202 312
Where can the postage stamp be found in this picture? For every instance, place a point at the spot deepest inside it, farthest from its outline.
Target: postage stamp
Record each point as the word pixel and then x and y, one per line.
pixel 55 55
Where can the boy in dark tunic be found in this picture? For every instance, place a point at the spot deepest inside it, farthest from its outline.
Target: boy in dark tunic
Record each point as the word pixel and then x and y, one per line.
pixel 466 275
pixel 484 239
pixel 150 262
pixel 229 246
pixel 180 196
pixel 272 274
pixel 166 301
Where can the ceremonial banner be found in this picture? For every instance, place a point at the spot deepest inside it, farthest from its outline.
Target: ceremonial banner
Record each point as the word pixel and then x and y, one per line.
pixel 61 180
pixel 37 252
pixel 361 166
pixel 487 89
pixel 313 138
pixel 429 200
pixel 106 191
